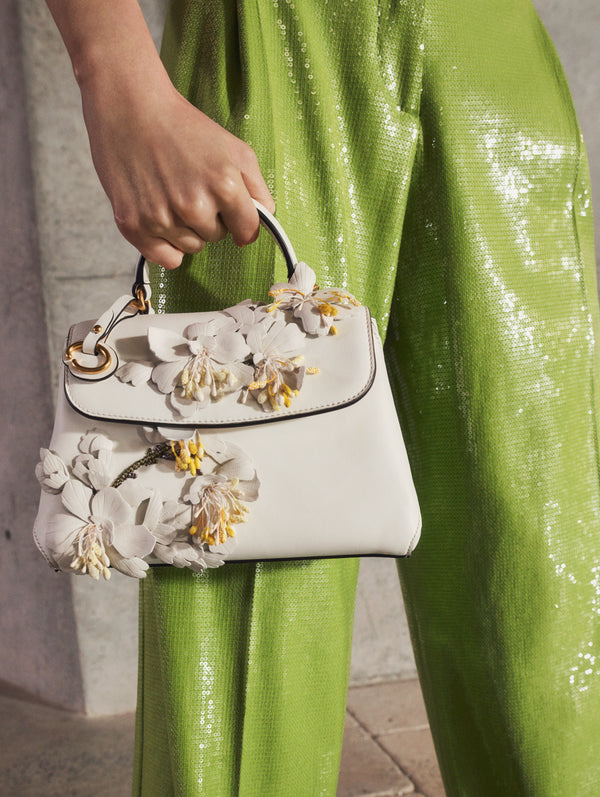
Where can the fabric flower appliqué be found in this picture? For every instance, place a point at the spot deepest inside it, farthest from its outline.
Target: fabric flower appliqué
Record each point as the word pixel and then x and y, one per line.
pixel 252 349
pixel 99 531
pixel 278 363
pixel 51 472
pixel 218 499
pixel 315 309
pixel 202 364
pixel 113 520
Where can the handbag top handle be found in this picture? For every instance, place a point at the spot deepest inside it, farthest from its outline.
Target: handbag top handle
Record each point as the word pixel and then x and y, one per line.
pixel 268 221
pixel 95 342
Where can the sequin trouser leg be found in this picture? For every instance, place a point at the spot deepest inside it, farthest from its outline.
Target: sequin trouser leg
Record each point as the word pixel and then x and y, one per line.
pixel 493 348
pixel 251 699
pixel 429 153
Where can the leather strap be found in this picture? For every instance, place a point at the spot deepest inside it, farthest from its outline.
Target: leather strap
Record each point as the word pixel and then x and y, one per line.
pixel 268 221
pixel 120 309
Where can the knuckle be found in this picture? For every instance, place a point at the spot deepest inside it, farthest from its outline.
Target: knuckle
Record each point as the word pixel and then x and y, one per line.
pixel 191 206
pixel 156 220
pixel 228 186
pixel 249 155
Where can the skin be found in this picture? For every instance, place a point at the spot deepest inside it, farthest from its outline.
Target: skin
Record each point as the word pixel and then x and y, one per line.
pixel 174 177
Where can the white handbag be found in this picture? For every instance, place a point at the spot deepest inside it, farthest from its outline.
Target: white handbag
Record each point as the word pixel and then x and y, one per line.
pixel 264 431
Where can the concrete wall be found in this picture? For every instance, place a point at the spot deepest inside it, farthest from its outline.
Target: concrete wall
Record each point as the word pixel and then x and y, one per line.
pixel 75 641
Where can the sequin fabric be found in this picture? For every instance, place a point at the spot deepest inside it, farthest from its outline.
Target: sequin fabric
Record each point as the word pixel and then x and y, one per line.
pixel 426 157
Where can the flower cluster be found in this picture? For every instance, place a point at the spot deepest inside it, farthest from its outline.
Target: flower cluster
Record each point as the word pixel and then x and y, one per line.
pixel 111 520
pixel 252 349
pixel 316 309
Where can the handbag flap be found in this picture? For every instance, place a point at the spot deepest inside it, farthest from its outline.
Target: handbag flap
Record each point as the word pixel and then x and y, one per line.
pixel 339 370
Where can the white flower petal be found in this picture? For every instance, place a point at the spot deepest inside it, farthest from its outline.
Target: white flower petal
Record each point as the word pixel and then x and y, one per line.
pixel 242 372
pixel 133 492
pixel 249 489
pixel 198 484
pixel 166 374
pixel 135 373
pixel 178 554
pixel 94 441
pixel 187 408
pixel 243 313
pixel 76 499
pixel 109 504
pixel 230 347
pixel 133 566
pixel 238 468
pixel 215 558
pixel 164 534
pixel 203 329
pixel 167 345
pixel 153 511
pixel 132 541
pixel 221 450
pixel 284 340
pixel 303 278
pixel 311 319
pixel 92 470
pixel 51 472
pixel 255 337
pixel 173 513
pixel 61 535
pixel 199 329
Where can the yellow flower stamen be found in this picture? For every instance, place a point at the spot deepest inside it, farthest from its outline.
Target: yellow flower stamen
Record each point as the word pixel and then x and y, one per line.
pixel 313 370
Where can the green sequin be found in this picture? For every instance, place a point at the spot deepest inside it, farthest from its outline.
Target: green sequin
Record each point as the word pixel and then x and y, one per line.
pixel 428 159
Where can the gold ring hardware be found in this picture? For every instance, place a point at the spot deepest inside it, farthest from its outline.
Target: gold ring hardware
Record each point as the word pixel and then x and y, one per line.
pixel 140 303
pixel 96 369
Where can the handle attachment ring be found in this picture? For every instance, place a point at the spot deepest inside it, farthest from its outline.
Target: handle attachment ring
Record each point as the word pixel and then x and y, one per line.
pixel 86 369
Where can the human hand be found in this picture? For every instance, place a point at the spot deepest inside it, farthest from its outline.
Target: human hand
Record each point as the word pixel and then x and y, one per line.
pixel 174 177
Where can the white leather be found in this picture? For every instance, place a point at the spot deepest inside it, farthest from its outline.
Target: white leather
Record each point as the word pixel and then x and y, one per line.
pixel 333 483
pixel 106 322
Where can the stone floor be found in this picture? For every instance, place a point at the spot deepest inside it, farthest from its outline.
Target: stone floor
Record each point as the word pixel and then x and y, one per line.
pixel 45 752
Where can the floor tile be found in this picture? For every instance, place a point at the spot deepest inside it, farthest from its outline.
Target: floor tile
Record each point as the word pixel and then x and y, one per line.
pixel 46 752
pixel 388 707
pixel 366 769
pixel 413 751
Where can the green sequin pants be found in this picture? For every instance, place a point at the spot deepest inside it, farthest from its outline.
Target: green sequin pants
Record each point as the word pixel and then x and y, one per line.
pixel 429 159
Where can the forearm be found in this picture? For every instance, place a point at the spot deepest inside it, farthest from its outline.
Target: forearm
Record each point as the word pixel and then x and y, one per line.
pixel 174 177
pixel 107 38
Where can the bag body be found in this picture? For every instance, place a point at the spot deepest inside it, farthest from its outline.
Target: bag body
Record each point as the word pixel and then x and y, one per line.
pixel 250 433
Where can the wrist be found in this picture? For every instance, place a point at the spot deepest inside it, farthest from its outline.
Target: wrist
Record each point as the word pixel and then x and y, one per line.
pixel 106 39
pixel 125 65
